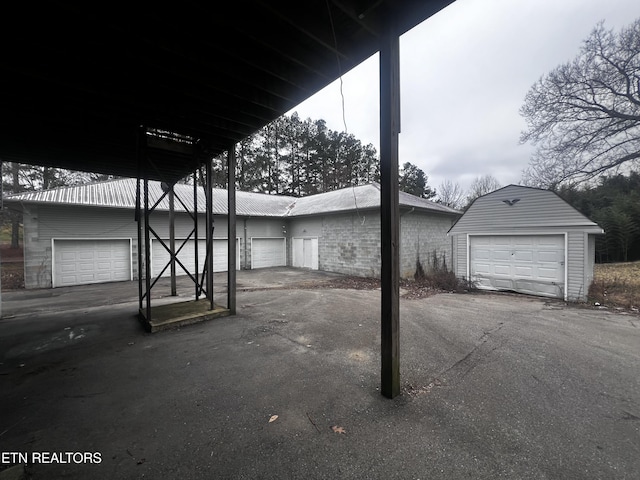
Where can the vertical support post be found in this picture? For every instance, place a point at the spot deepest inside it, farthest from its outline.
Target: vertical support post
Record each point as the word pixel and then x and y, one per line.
pixel 209 233
pixel 141 144
pixel 195 230
pixel 231 229
pixel 172 240
pixel 147 247
pixel 1 208
pixel 389 211
pixel 138 216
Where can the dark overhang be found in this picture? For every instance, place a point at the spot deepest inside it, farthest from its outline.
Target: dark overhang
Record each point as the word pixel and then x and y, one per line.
pixel 80 79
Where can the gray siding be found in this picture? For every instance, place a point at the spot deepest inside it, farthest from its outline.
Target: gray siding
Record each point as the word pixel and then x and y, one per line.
pixel 535 209
pixel 580 257
pixel 348 243
pixel 43 223
pixel 460 258
pixel 537 212
pixel 46 222
pixel 576 287
pixel 590 261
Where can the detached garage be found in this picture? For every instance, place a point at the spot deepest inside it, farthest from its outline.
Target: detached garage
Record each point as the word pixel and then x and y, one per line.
pixel 526 240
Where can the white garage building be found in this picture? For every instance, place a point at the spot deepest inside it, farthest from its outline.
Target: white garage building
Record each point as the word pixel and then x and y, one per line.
pixel 88 233
pixel 526 240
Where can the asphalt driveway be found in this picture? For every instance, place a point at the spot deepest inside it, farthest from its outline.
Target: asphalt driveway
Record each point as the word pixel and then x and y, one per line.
pixel 494 386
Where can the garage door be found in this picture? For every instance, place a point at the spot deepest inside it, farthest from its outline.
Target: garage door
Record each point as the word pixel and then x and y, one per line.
pixel 160 256
pixel 268 252
pixel 305 253
pixel 532 264
pixel 79 262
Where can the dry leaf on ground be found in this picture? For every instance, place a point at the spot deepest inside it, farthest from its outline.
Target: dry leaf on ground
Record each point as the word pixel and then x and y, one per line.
pixel 273 418
pixel 338 429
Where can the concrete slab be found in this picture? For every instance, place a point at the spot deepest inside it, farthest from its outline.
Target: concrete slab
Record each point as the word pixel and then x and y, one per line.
pixel 493 386
pixel 180 314
pixel 27 302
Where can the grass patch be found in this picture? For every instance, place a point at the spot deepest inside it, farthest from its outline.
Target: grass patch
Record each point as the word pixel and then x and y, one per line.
pixel 616 285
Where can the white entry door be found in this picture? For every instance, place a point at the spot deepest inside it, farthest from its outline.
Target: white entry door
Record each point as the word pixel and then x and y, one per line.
pixel 305 253
pixel 532 264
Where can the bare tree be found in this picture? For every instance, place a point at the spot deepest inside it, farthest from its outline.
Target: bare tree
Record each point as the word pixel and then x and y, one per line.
pixel 450 194
pixel 584 116
pixel 481 186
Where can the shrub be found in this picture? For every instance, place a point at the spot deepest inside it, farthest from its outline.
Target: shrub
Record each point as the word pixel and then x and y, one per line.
pixel 439 277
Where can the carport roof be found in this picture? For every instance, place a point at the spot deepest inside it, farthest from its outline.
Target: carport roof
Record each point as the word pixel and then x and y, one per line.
pixel 122 194
pixel 79 80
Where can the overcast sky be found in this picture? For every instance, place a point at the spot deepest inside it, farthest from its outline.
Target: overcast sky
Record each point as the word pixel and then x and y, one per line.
pixel 464 74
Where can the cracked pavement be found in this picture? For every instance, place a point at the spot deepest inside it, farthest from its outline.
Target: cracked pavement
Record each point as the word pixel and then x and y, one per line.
pixel 494 386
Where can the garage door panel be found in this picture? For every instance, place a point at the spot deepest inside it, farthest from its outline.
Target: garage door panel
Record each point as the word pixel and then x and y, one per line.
pixel 500 269
pixel 548 273
pixel 502 284
pixel 523 271
pixel 532 264
pixel 500 255
pixel 546 256
pixel 483 268
pixel 78 262
pixel 519 241
pixel 268 252
pixel 523 256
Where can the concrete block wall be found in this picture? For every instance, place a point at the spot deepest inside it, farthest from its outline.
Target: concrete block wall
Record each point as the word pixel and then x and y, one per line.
pixel 350 244
pixel 424 239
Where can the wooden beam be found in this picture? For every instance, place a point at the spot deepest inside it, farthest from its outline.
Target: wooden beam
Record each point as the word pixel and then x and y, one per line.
pixel 389 212
pixel 231 229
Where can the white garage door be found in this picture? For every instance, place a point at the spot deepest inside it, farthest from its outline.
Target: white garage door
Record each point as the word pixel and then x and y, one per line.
pixel 160 256
pixel 79 262
pixel 305 253
pixel 268 252
pixel 532 264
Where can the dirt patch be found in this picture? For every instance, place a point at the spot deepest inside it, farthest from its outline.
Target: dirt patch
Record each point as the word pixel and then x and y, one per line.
pixel 409 289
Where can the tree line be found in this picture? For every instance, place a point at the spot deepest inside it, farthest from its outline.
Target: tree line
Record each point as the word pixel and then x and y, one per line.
pixel 614 204
pixel 296 157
